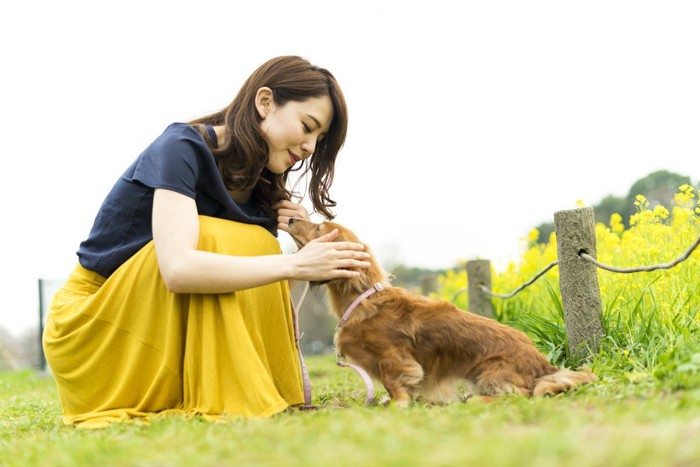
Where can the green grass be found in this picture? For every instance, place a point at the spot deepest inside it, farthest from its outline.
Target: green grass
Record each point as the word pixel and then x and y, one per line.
pixel 628 418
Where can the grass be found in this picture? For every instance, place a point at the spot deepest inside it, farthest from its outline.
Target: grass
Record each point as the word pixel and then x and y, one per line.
pixel 626 418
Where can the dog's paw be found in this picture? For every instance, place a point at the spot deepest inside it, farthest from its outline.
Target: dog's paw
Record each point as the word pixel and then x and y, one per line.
pixel 387 401
pixel 465 396
pixel 384 401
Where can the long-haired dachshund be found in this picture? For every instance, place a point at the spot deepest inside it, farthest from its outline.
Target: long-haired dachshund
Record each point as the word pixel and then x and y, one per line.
pixel 419 346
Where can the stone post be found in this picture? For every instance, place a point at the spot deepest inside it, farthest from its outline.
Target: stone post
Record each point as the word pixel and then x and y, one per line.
pixel 428 284
pixel 578 280
pixel 479 273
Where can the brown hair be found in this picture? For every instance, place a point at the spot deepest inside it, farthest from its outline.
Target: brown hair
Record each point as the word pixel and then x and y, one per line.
pixel 242 157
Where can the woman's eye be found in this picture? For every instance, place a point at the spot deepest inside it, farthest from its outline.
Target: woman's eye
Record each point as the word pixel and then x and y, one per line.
pixel 307 129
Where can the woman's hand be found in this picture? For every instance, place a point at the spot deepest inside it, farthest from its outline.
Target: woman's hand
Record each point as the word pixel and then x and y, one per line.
pixel 288 210
pixel 324 259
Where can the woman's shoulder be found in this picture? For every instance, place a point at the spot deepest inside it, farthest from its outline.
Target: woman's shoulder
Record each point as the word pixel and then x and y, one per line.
pixel 180 129
pixel 179 135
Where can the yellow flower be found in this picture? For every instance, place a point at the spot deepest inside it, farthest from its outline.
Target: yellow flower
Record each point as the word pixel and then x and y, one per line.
pixel 660 212
pixel 616 224
pixel 685 188
pixel 641 203
pixel 685 196
pixel 533 236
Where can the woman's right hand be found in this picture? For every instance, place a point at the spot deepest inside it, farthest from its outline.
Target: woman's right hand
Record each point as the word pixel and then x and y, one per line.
pixel 324 259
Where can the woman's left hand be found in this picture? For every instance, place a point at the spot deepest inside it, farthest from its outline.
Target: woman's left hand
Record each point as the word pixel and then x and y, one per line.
pixel 287 210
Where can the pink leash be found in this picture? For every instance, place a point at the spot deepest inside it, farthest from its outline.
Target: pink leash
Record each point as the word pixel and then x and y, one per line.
pixel 297 337
pixel 339 359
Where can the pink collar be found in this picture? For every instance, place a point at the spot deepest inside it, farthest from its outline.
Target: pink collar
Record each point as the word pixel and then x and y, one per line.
pixel 340 360
pixel 375 288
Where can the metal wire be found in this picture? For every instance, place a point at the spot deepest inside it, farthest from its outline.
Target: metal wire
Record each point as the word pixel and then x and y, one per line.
pixel 654 267
pixel 516 291
pixel 590 259
pixel 485 290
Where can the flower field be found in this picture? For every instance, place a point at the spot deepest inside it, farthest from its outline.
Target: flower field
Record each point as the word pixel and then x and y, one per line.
pixel 651 319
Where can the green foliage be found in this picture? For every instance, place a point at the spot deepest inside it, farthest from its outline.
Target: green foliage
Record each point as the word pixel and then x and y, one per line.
pixel 679 366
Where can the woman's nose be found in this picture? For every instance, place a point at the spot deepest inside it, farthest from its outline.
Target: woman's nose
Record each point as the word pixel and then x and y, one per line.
pixel 308 147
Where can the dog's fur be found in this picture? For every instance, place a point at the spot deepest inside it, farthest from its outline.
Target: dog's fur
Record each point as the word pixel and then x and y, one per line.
pixel 419 346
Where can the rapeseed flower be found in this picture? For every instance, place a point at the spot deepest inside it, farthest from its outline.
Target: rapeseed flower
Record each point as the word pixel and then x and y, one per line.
pixel 654 236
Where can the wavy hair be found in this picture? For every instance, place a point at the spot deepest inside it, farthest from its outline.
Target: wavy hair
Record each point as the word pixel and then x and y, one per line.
pixel 245 151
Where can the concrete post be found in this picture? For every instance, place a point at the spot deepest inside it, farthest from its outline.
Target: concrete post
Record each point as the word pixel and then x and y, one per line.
pixel 40 344
pixel 578 280
pixel 479 273
pixel 428 284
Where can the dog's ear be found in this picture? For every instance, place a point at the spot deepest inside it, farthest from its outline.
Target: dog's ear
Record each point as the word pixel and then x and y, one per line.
pixel 328 227
pixel 344 234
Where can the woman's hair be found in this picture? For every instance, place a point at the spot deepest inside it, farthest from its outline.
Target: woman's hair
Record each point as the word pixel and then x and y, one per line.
pixel 242 157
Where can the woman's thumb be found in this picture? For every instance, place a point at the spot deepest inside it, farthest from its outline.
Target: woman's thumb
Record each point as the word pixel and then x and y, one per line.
pixel 329 237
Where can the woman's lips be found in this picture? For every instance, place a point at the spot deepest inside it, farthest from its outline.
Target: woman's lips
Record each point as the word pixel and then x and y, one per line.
pixel 293 157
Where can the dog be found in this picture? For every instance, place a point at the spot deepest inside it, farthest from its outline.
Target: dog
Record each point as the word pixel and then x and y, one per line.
pixel 417 346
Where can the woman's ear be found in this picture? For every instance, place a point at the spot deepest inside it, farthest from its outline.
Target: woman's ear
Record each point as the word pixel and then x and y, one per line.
pixel 264 101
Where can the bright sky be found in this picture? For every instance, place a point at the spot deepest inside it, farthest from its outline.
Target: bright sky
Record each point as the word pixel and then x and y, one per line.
pixel 470 122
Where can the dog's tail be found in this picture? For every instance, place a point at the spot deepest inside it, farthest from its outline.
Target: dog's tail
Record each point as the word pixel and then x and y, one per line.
pixel 560 381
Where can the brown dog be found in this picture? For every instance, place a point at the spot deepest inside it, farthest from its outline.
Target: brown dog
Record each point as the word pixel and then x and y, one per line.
pixel 419 346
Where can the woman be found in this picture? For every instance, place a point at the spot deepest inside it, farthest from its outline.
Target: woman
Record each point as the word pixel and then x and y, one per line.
pixel 180 301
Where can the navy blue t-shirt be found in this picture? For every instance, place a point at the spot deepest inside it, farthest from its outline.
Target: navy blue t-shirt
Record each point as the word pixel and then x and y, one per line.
pixel 178 160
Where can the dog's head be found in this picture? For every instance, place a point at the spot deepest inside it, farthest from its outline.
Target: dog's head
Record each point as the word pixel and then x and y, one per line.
pixel 302 232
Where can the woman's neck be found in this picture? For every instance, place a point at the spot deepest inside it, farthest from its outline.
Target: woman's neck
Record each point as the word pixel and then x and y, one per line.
pixel 219 130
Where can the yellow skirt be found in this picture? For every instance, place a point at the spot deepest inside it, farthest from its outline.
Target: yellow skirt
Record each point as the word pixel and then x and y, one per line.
pixel 125 347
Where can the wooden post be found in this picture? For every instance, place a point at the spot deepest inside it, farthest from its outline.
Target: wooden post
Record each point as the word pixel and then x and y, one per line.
pixel 578 280
pixel 479 273
pixel 428 284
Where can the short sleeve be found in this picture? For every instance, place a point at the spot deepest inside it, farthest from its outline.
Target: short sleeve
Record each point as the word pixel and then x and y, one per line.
pixel 172 161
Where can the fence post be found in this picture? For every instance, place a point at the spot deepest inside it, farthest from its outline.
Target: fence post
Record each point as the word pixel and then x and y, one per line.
pixel 578 280
pixel 479 273
pixel 42 357
pixel 428 284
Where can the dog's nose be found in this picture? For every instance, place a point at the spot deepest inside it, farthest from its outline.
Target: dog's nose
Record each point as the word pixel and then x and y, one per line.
pixel 291 220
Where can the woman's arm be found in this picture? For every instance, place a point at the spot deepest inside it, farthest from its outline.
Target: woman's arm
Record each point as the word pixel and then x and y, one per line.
pixel 188 270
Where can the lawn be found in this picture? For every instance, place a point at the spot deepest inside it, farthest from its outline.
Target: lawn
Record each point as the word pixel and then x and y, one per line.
pixel 623 419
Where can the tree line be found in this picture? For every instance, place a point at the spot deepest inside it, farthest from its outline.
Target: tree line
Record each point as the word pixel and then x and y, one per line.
pixel 658 187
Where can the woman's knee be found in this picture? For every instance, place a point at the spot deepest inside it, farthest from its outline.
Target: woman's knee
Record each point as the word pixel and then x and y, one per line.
pixel 235 238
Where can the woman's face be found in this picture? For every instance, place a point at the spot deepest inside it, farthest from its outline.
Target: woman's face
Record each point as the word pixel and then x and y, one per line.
pixel 294 130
